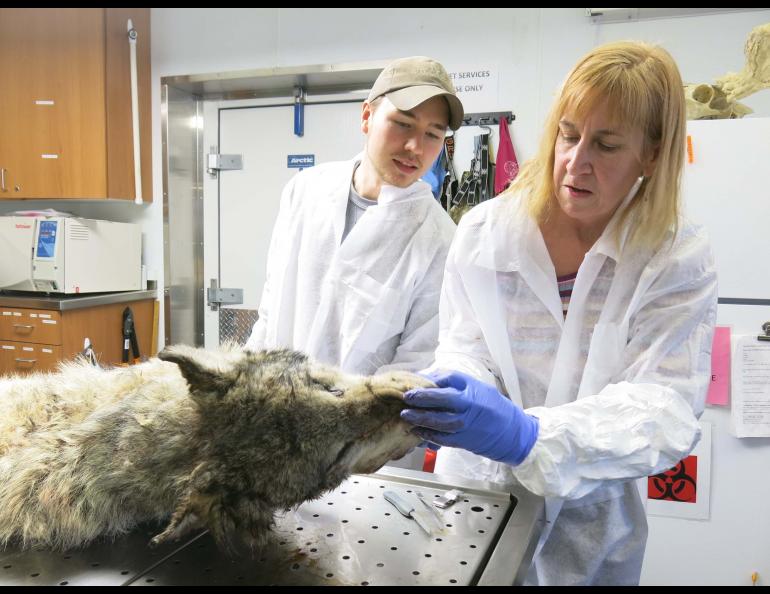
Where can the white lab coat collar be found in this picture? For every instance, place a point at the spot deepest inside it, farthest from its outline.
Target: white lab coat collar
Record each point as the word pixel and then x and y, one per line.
pixel 339 198
pixel 390 199
pixel 391 194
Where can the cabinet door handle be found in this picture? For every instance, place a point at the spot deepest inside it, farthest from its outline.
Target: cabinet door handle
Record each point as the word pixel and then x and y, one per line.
pixel 26 326
pixel 2 180
pixel 31 361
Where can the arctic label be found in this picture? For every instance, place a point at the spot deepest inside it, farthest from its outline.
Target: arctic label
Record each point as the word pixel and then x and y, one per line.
pixel 300 161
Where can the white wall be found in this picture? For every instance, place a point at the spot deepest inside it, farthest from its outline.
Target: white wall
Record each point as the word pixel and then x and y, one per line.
pixel 735 540
pixel 532 47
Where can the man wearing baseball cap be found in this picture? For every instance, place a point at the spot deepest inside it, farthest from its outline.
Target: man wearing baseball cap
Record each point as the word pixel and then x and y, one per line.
pixel 357 254
pixel 408 82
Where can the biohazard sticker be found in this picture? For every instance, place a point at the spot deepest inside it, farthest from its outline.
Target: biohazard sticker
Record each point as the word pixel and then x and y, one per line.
pixel 683 491
pixel 677 484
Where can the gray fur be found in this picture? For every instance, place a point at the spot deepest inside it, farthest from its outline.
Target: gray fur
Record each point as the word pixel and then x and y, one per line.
pixel 233 438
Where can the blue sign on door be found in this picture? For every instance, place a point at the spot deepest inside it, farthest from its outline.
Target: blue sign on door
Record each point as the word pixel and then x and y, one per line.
pixel 300 161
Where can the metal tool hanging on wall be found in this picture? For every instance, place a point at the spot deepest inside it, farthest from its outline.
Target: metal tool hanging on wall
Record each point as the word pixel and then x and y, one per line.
pixel 130 341
pixel 477 184
pixel 487 118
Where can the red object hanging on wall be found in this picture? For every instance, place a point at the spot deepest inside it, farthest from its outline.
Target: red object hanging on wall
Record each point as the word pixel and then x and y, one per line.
pixel 506 165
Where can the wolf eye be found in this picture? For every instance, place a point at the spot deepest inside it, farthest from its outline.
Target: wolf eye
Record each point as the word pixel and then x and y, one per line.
pixel 338 392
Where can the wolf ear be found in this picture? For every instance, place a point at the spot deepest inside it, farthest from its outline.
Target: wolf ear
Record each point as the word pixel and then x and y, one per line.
pixel 201 377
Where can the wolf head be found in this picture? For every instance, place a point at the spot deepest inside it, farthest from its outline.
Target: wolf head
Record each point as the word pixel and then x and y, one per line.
pixel 276 429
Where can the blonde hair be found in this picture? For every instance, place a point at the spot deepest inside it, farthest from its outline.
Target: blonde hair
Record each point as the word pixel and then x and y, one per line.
pixel 643 88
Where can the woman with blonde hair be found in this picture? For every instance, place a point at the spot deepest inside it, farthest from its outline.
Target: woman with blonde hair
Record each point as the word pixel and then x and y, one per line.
pixel 577 314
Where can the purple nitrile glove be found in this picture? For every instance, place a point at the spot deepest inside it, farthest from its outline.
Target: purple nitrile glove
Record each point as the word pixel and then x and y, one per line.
pixel 464 412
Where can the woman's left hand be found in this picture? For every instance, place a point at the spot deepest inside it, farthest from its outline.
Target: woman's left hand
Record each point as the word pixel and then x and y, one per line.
pixel 464 412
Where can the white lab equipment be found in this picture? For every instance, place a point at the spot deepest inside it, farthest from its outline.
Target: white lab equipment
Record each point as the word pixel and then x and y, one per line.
pixel 56 254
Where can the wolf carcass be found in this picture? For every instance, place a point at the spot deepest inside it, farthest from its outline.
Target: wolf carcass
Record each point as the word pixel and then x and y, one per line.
pixel 215 439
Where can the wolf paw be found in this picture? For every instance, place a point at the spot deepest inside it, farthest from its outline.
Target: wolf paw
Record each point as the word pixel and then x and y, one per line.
pixel 398 382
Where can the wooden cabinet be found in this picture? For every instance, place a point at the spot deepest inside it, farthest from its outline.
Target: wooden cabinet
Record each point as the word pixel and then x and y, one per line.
pixel 30 325
pixel 23 358
pixel 65 103
pixel 38 339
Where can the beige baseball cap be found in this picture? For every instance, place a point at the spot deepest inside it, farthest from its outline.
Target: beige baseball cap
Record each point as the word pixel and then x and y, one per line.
pixel 407 82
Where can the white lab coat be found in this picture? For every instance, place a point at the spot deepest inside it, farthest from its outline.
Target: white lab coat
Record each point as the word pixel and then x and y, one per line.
pixel 617 386
pixel 370 304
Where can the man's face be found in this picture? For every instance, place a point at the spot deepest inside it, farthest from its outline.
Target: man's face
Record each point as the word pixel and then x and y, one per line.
pixel 402 145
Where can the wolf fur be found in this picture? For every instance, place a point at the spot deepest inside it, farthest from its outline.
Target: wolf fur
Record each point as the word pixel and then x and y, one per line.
pixel 216 439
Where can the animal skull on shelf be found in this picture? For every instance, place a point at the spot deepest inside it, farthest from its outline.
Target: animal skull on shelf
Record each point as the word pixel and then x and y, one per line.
pixel 709 102
pixel 721 99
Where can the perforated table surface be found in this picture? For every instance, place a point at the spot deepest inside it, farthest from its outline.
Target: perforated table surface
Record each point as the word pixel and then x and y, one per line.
pixel 351 536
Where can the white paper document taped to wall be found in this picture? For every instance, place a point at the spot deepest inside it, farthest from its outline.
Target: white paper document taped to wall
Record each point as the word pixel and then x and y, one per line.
pixel 751 387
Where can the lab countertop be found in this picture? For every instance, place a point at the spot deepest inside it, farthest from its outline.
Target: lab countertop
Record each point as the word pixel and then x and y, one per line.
pixel 70 302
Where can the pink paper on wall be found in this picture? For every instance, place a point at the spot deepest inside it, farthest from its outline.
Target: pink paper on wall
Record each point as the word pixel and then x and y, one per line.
pixel 719 389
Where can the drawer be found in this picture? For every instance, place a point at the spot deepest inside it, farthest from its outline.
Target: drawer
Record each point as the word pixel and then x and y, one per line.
pixel 24 358
pixel 30 325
